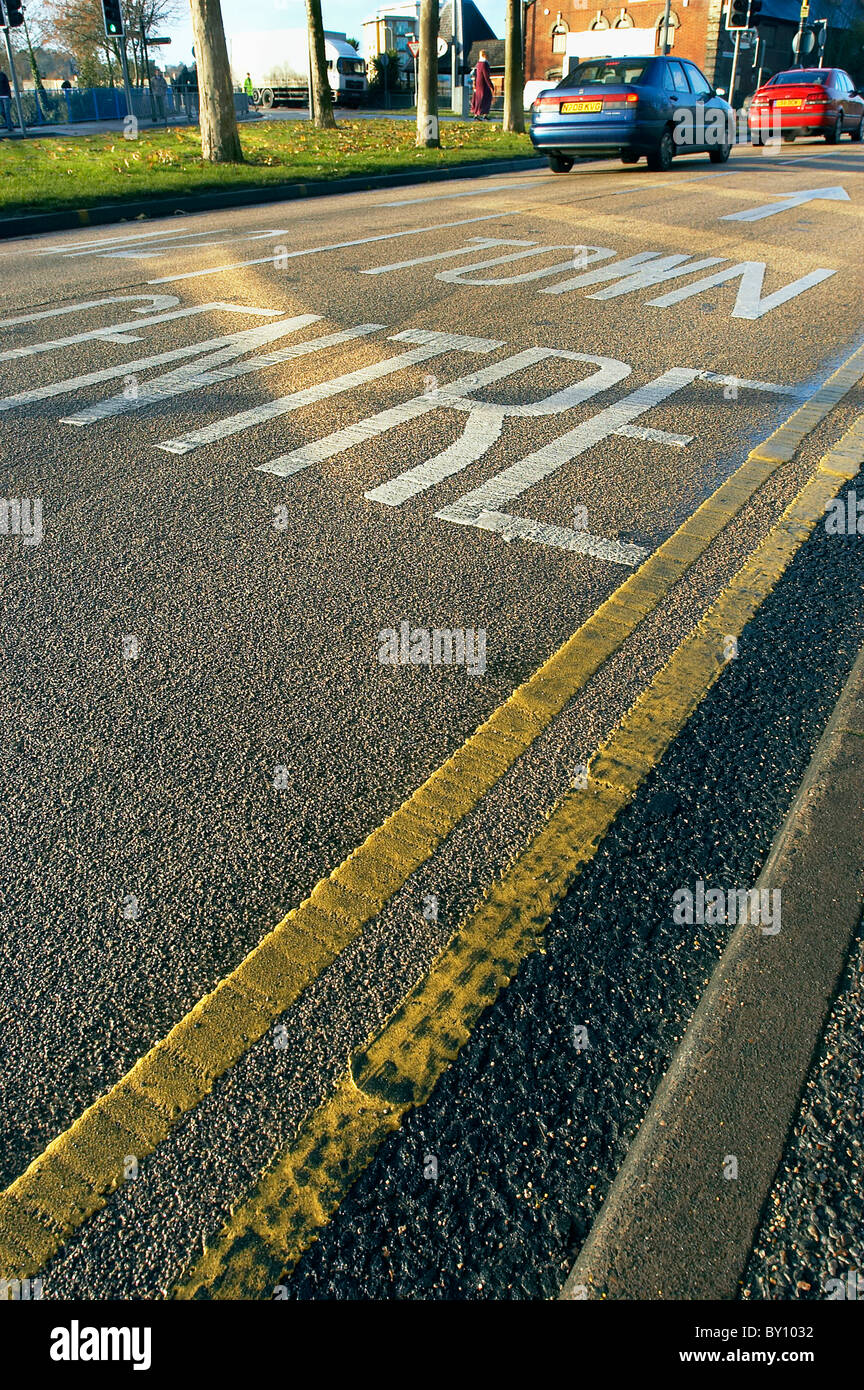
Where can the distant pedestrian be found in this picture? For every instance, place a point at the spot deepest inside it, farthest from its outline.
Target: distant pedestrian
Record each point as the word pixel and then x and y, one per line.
pixel 6 100
pixel 248 85
pixel 481 101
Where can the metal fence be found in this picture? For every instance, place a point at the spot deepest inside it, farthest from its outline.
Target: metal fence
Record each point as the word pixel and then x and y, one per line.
pixel 71 107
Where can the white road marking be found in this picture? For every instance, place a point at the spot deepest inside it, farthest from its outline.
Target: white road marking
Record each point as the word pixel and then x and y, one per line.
pixel 122 332
pixel 480 433
pixel 210 371
pixel 656 275
pixel 492 495
pixel 454 395
pixel 336 246
pixel 432 344
pixel 136 365
pixel 153 302
pixel 790 200
pixel 511 528
pixel 637 272
pixel 486 420
pixel 468 193
pixel 322 449
pixel 480 244
pixel 632 271
pixel 91 248
pixel 591 254
pixel 188 243
pixel 742 383
pixel 749 303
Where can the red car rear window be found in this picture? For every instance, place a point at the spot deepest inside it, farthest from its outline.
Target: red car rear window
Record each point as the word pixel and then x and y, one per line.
pixel 799 75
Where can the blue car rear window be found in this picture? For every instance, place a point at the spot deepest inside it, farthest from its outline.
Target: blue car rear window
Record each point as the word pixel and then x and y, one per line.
pixel 629 71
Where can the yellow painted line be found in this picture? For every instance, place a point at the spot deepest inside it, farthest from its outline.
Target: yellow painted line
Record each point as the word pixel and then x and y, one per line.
pixel 79 1169
pixel 269 1231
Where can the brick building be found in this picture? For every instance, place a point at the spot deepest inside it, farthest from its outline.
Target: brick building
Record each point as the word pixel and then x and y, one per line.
pixel 581 29
pixel 556 38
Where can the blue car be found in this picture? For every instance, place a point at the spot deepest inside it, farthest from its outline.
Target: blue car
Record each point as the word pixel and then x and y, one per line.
pixel 656 107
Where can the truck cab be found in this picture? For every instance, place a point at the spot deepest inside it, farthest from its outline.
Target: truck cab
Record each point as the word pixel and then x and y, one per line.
pixel 277 61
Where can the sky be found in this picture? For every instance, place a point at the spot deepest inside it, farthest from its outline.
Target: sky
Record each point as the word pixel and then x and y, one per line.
pixel 341 15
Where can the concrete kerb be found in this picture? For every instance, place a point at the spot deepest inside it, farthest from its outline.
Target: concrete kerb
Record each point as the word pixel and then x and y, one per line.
pixel 36 224
pixel 674 1226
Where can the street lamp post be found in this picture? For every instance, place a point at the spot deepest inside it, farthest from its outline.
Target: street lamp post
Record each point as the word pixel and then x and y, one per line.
pixel 805 10
pixel 456 103
pixel 12 73
pixel 666 17
pixel 147 72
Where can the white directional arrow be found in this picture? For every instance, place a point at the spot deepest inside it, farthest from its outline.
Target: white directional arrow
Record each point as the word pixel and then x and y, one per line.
pixel 792 200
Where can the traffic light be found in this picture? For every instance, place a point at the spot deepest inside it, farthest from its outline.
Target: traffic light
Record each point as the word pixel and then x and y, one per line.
pixel 14 13
pixel 113 17
pixel 756 16
pixel 738 14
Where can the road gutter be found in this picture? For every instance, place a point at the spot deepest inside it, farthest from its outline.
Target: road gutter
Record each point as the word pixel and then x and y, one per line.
pixel 672 1226
pixel 35 224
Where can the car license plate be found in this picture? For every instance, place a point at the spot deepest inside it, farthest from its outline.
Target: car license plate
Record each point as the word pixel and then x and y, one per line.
pixel 575 108
pixel 789 103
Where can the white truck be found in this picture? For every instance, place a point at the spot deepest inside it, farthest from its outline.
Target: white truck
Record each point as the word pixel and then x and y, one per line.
pixel 277 60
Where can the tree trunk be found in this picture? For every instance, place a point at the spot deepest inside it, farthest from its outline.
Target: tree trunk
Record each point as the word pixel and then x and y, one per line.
pixel 427 78
pixel 514 80
pixel 220 140
pixel 34 68
pixel 320 96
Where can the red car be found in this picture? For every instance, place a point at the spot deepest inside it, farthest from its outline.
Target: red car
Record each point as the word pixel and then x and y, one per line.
pixel 807 101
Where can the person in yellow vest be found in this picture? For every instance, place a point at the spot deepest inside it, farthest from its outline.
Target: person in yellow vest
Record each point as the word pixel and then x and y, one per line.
pixel 247 85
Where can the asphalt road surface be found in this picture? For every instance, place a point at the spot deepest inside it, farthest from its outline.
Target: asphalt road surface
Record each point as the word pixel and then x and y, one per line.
pixel 244 449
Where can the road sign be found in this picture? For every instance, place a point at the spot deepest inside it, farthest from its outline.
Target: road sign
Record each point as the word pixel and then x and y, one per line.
pixel 414 47
pixel 151 43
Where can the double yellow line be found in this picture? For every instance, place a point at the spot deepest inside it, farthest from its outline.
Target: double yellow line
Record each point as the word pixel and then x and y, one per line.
pixel 75 1175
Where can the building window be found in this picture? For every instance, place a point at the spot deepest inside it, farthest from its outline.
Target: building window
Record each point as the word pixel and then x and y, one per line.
pixel 600 22
pixel 560 30
pixel 624 21
pixel 674 23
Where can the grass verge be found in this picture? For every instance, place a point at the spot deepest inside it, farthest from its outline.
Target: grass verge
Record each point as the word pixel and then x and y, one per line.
pixel 86 170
